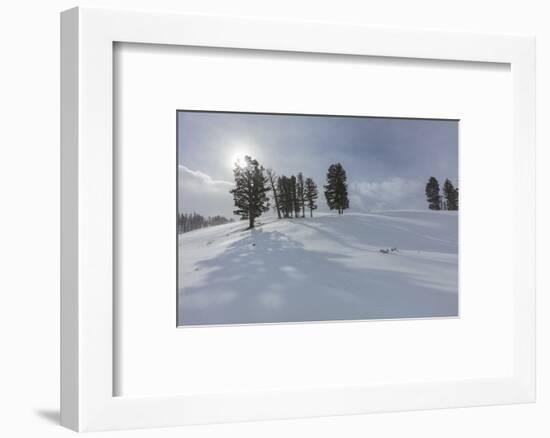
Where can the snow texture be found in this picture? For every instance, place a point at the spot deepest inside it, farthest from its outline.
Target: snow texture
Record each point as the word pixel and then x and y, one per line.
pixel 393 264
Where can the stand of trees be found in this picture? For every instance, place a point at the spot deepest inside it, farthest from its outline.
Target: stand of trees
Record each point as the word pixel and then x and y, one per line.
pixel 286 186
pixel 194 221
pixel 449 201
pixel 336 188
pixel 290 195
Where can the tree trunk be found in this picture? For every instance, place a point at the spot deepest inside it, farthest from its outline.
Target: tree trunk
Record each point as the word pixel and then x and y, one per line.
pixel 311 212
pixel 275 196
pixel 251 203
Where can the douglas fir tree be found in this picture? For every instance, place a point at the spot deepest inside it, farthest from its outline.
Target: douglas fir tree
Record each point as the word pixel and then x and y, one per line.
pixel 432 194
pixel 311 195
pixel 451 195
pixel 250 192
pixel 336 189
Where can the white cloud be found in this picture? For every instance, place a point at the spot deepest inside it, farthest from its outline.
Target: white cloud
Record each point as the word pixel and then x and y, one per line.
pixel 197 180
pixel 198 191
pixel 392 193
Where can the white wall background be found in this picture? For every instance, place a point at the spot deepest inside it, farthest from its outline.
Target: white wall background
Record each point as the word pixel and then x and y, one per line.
pixel 29 212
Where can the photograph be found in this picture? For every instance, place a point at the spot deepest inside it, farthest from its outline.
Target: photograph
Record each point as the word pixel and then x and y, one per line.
pixel 294 218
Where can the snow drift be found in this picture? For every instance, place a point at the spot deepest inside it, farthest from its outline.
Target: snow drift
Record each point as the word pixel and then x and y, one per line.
pixel 329 267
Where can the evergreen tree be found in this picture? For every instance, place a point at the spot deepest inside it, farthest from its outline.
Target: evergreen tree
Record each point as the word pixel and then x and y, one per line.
pixel 294 196
pixel 432 194
pixel 272 177
pixel 286 196
pixel 311 195
pixel 300 194
pixel 250 192
pixel 336 188
pixel 451 195
pixel 457 197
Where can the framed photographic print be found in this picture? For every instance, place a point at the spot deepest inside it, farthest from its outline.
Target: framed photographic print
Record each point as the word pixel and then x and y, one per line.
pixel 340 221
pixel 383 242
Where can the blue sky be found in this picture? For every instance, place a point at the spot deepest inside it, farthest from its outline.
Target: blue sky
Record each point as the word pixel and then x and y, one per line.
pixel 387 160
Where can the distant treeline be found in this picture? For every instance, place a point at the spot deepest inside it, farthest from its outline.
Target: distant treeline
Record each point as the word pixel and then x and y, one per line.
pixel 194 221
pixel 449 200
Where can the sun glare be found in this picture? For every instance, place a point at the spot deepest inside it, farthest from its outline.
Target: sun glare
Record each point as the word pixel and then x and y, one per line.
pixel 237 156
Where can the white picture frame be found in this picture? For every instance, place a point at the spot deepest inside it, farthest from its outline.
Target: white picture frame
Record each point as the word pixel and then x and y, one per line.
pixel 87 317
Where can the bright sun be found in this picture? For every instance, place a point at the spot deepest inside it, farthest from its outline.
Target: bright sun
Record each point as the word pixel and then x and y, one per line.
pixel 237 156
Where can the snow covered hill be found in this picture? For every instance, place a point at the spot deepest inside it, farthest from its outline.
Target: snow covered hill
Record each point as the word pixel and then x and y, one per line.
pixel 328 267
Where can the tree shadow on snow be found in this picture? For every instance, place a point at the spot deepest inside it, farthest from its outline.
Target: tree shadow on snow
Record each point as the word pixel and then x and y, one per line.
pixel 268 277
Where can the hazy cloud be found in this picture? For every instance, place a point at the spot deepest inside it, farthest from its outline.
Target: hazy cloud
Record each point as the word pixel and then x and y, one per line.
pixel 390 194
pixel 200 192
